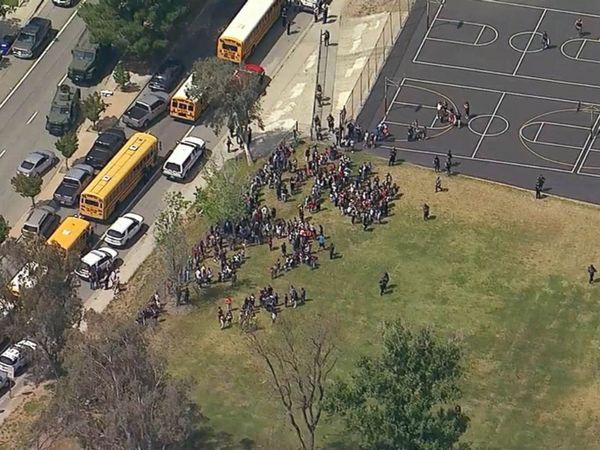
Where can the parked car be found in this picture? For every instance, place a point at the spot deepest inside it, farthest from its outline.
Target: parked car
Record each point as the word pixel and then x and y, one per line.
pixel 184 156
pixel 107 144
pixel 123 230
pixel 146 109
pixel 167 76
pixel 97 260
pixel 32 38
pixel 41 222
pixel 6 43
pixel 64 3
pixel 88 60
pixel 4 380
pixel 37 162
pixel 73 183
pixel 16 358
pixel 26 278
pixel 64 110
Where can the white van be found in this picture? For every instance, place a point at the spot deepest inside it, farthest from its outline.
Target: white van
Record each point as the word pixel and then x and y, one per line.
pixel 184 156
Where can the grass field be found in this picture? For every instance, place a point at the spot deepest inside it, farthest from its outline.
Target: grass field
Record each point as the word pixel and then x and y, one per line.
pixel 505 272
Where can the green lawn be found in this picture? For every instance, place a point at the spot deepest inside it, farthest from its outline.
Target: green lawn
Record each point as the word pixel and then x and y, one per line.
pixel 496 267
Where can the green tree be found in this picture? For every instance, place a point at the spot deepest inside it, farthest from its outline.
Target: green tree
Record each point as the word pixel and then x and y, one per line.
pixel 27 186
pixel 121 76
pixel 405 398
pixel 93 106
pixel 222 197
pixel 4 229
pixel 67 145
pixel 235 101
pixel 117 393
pixel 139 29
pixel 171 239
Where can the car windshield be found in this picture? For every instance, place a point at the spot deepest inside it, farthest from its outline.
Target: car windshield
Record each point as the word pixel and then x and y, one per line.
pixel 26 37
pixel 70 182
pixel 30 228
pixel 83 56
pixel 173 167
pixel 7 361
pixel 115 234
pixel 60 109
pixel 83 267
pixel 27 165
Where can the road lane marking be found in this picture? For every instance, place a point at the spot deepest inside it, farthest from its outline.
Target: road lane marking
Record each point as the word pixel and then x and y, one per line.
pixel 32 117
pixel 62 79
pixel 37 61
pixel 188 132
pixel 2 152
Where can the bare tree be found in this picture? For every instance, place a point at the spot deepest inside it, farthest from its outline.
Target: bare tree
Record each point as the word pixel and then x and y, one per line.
pixel 299 360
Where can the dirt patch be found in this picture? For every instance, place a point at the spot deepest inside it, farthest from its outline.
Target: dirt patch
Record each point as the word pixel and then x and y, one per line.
pixel 361 8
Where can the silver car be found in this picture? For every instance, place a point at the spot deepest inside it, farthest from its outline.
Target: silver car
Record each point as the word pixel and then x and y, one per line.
pixel 37 162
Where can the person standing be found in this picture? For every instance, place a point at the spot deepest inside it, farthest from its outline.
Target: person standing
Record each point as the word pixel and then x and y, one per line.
pixel 332 251
pixel 325 12
pixel 392 159
pixel 288 27
pixel 326 37
pixel 249 136
pixel 229 144
pixel 448 167
pixel 591 273
pixel 425 211
pixel 331 123
pixel 436 164
pixel 579 27
pixel 438 185
pixel 538 192
pixel 343 116
pixel 316 13
pixel 383 282
pixel 467 108
pixel 458 118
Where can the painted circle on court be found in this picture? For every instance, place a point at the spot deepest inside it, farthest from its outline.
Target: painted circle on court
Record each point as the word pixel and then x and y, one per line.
pixel 573 48
pixel 518 42
pixel 498 125
pixel 527 142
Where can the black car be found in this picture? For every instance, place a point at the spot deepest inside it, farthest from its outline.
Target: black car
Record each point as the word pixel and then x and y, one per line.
pixel 167 76
pixel 107 144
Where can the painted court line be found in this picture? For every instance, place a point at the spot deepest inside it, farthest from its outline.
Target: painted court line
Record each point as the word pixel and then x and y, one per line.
pixel 394 99
pixel 586 148
pixel 580 48
pixel 476 88
pixel 524 53
pixel 506 74
pixel 556 10
pixel 567 125
pixel 479 35
pixel 538 131
pixel 487 127
pixel 414 105
pixel 486 160
pixel 439 10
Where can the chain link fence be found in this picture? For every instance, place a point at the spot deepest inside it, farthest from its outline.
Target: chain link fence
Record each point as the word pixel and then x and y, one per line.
pixel 389 34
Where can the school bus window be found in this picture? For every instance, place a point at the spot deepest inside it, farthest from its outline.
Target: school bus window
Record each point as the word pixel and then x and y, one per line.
pixel 230 47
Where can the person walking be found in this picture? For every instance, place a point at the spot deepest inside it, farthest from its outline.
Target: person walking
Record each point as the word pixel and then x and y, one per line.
pixel 288 27
pixel 591 273
pixel 436 164
pixel 316 13
pixel 467 108
pixel 539 187
pixel 425 211
pixel 332 251
pixel 383 282
pixel 545 41
pixel 319 95
pixel 579 27
pixel 448 167
pixel 325 13
pixel 229 144
pixel 457 118
pixel 438 185
pixel 326 37
pixel 331 123
pixel 392 158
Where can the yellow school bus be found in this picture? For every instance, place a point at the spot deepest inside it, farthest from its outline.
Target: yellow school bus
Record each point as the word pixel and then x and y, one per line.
pixel 119 177
pixel 72 234
pixel 247 29
pixel 183 107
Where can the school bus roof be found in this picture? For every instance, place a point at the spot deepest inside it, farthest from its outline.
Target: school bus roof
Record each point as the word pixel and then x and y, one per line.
pixel 247 19
pixel 68 232
pixel 134 150
pixel 181 93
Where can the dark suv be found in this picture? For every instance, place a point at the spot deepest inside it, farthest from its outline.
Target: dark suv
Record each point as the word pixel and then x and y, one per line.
pixel 32 38
pixel 107 144
pixel 88 60
pixel 167 76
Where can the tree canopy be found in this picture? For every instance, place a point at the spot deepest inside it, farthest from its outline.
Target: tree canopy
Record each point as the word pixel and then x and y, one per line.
pixel 140 29
pixel 223 196
pixel 67 145
pixel 405 398
pixel 234 101
pixel 4 229
pixel 117 393
pixel 27 186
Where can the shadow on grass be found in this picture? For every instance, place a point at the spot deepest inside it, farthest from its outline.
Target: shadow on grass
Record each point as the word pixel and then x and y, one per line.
pixel 207 438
